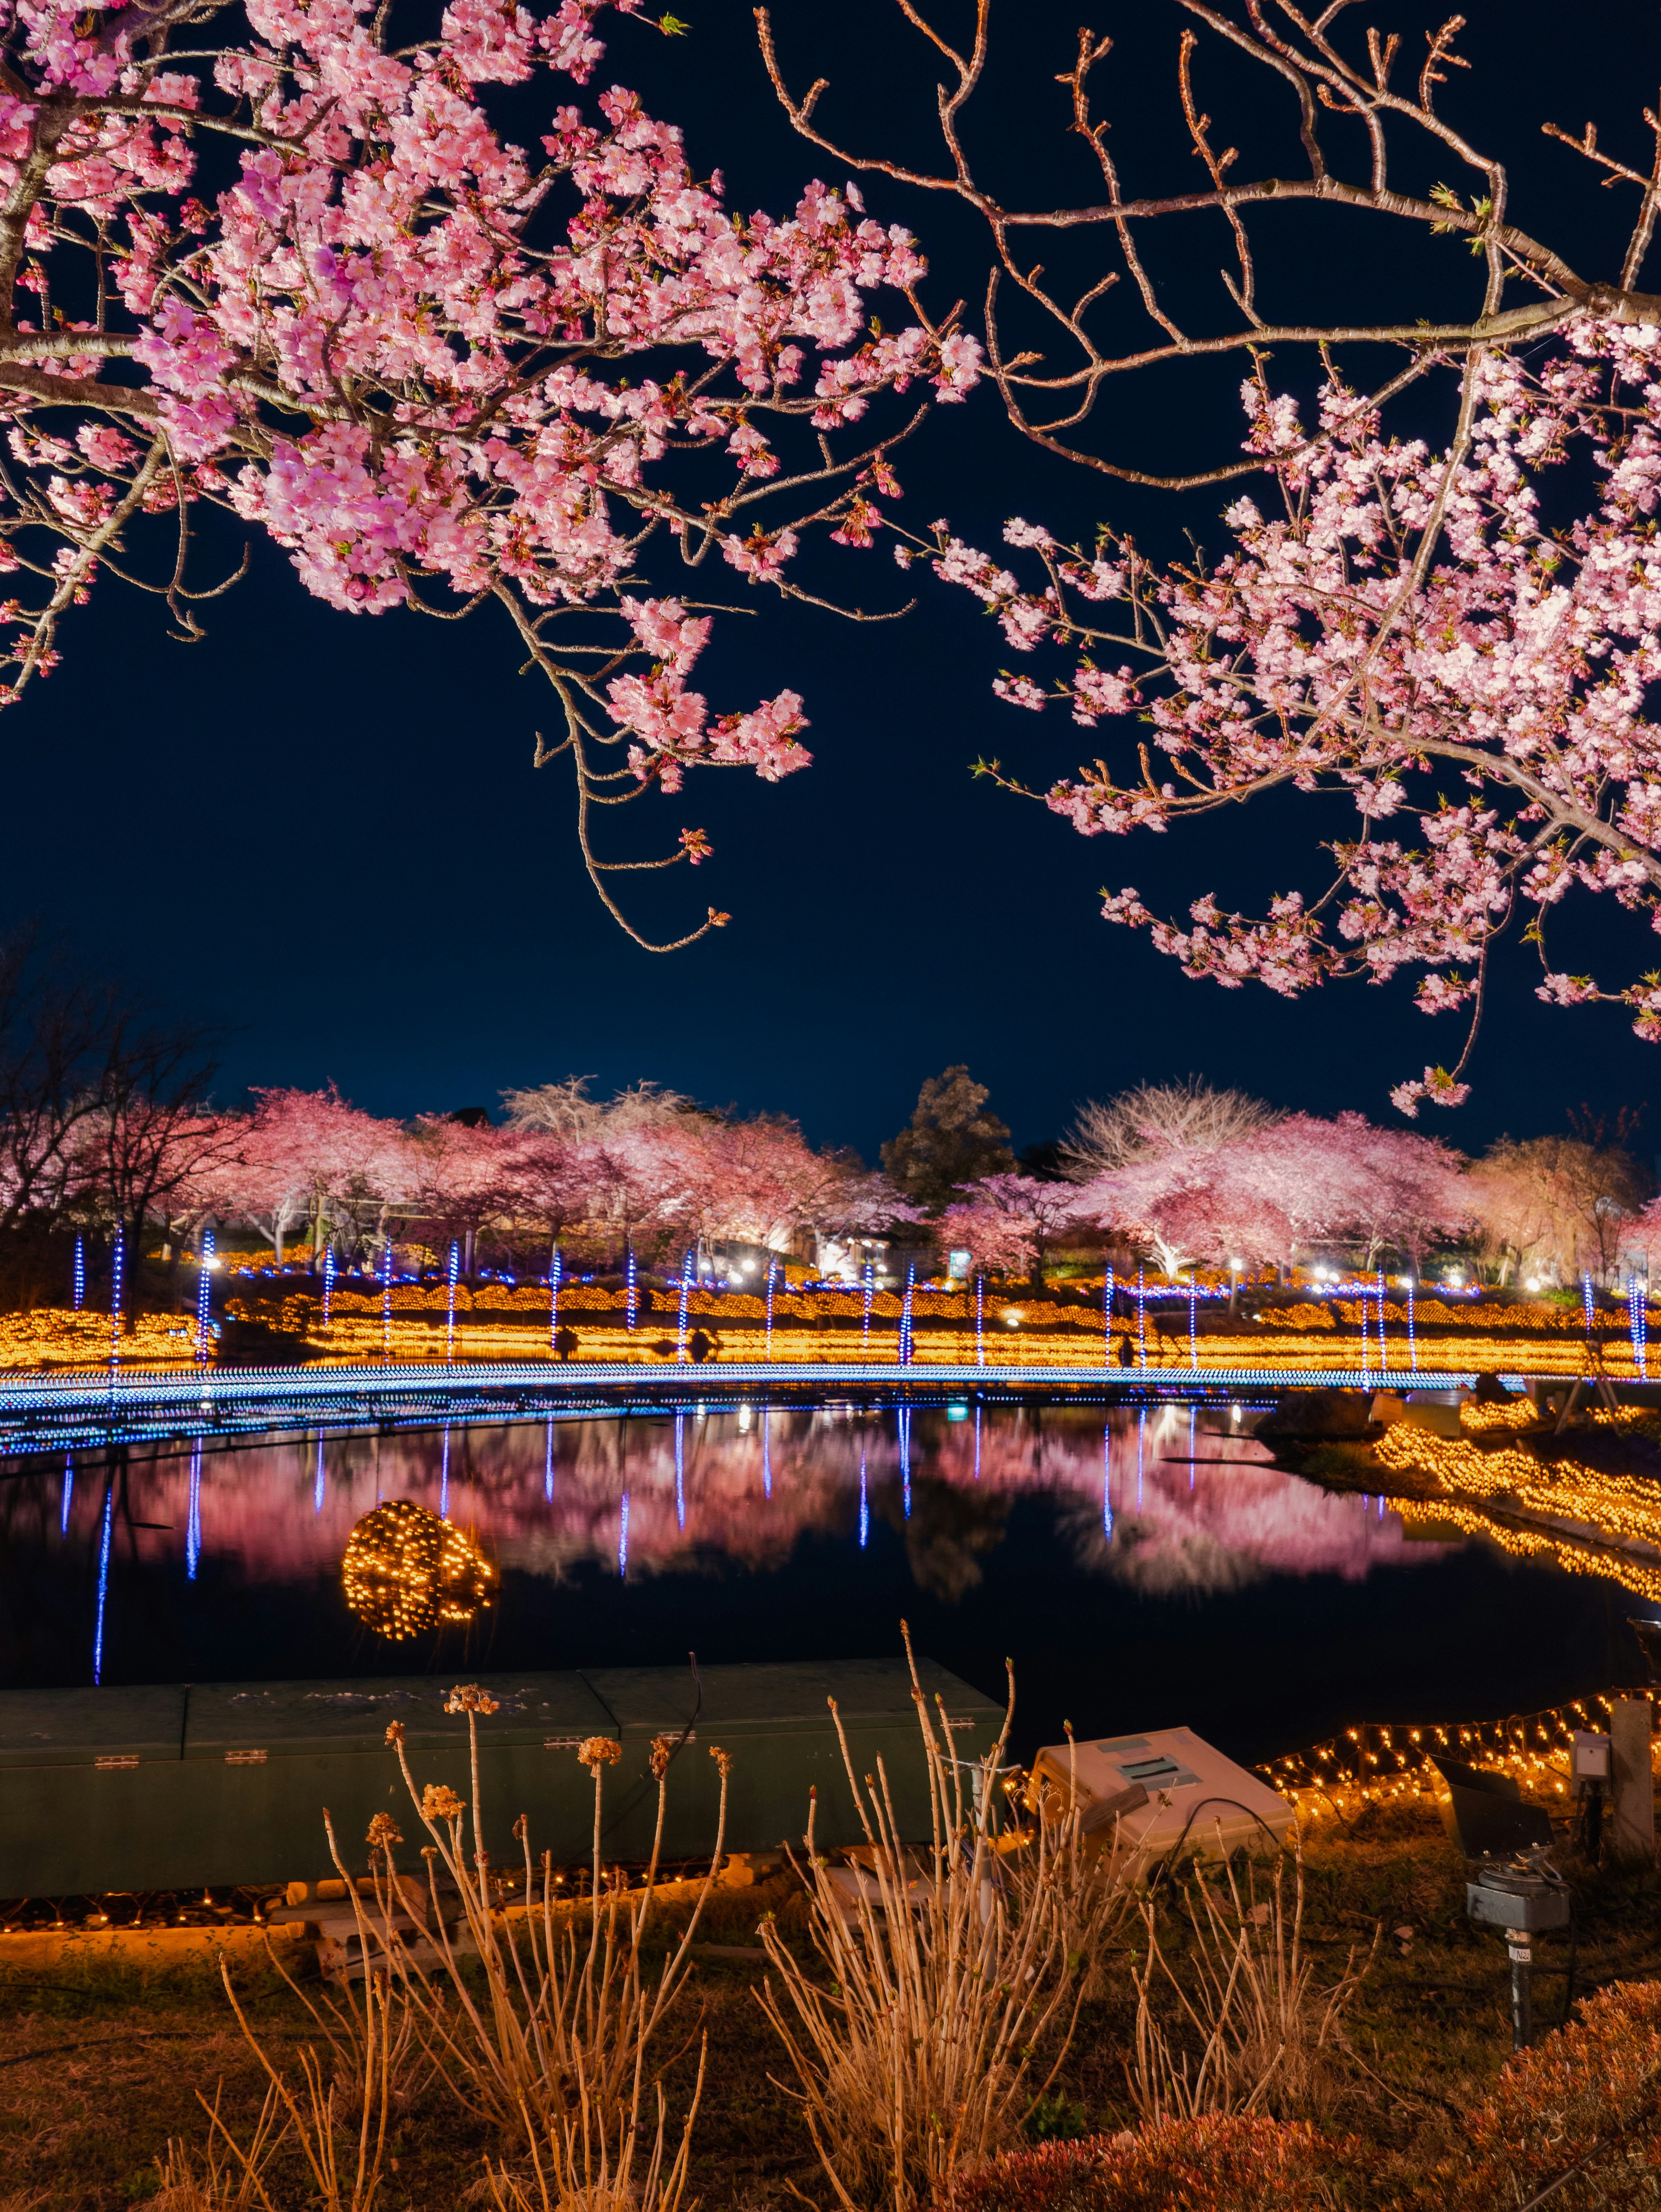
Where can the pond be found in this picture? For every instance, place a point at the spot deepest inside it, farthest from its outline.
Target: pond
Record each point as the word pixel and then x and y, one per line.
pixel 1140 1568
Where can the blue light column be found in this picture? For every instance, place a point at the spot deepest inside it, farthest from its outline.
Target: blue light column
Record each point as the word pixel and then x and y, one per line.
pixel 554 1273
pixel 772 1270
pixel 203 1284
pixel 452 1276
pixel 685 1292
pixel 78 1291
pixel 905 1315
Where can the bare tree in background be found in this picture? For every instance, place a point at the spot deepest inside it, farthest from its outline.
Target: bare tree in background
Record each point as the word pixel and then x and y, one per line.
pixel 1158 1117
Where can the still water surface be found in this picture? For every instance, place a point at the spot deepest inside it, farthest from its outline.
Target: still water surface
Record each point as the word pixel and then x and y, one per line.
pixel 1141 1568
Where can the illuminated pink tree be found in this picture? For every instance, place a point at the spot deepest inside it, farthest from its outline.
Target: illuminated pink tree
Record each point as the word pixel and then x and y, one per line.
pixel 311 1155
pixel 1393 621
pixel 447 372
pixel 1297 1181
pixel 1010 1221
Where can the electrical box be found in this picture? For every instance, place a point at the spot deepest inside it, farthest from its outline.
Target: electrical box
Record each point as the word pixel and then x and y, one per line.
pixel 1503 1896
pixel 1194 1795
pixel 1588 1756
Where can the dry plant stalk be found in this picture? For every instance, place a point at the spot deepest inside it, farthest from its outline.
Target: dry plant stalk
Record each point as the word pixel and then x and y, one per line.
pixel 338 2117
pixel 554 2049
pixel 1261 2033
pixel 950 1971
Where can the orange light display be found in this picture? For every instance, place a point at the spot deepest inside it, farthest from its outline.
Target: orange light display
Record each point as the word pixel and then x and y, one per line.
pixel 406 1571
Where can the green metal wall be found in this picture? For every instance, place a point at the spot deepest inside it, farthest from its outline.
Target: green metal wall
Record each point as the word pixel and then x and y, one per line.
pixel 181 1786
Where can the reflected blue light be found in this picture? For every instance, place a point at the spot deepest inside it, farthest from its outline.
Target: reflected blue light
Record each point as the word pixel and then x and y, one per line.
pixel 622 1537
pixel 103 1582
pixel 977 1443
pixel 680 1470
pixel 1107 1480
pixel 904 1426
pixel 1193 1417
pixel 193 1515
pixel 69 1489
pixel 548 1467
pixel 317 1479
pixel 865 1502
pixel 1141 1439
pixel 957 1413
pixel 767 1452
pixel 444 1479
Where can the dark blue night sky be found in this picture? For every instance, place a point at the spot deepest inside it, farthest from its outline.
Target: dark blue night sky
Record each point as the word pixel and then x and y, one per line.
pixel 326 835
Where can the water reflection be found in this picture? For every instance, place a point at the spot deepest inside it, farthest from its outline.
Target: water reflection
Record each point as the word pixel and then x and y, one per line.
pixel 1145 1568
pixel 1175 1500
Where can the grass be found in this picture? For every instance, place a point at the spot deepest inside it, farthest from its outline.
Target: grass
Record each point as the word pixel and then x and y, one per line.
pixel 99 2067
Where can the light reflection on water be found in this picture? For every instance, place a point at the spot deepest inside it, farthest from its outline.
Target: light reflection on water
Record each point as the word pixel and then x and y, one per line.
pixel 1139 1564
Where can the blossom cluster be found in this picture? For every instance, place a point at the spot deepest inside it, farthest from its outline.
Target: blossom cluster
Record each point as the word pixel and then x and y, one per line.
pixel 1400 625
pixel 443 369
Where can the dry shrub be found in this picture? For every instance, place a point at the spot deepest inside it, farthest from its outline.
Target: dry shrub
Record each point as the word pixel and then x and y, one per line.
pixel 951 1980
pixel 538 2018
pixel 1236 2021
pixel 553 2051
pixel 1583 2109
pixel 334 2120
pixel 1239 2163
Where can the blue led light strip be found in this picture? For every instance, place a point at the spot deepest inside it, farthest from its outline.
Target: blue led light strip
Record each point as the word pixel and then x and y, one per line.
pixel 118 1259
pixel 328 1282
pixel 685 1292
pixel 79 1289
pixel 451 1274
pixel 905 1315
pixel 554 1273
pixel 387 1297
pixel 772 1269
pixel 631 1294
pixel 980 1321
pixel 203 1284
pixel 870 1292
pixel 1107 1320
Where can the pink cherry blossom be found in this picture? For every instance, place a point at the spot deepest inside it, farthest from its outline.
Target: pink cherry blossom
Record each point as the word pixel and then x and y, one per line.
pixel 443 370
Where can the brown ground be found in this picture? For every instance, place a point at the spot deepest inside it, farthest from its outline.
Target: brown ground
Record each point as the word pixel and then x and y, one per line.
pixel 98 2069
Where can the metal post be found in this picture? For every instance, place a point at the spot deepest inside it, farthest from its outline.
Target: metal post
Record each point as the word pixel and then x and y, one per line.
pixel 1522 1987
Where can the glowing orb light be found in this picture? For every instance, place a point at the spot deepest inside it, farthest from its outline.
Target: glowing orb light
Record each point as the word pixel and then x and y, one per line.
pixel 406 1571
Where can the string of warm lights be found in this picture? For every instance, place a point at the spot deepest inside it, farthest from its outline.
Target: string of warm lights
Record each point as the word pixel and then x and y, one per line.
pixel 406 1571
pixel 1388 1762
pixel 56 1336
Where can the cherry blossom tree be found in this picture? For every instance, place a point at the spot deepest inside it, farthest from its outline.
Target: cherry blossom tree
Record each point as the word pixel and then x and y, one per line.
pixel 459 1177
pixel 295 272
pixel 1010 1221
pixel 1388 619
pixel 311 1155
pixel 1297 1181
